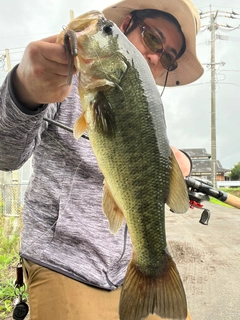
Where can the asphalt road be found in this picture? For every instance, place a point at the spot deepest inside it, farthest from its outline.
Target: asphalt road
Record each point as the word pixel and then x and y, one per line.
pixel 208 259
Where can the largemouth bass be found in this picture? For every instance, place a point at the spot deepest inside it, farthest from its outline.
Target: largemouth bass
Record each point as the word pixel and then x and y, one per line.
pixel 123 114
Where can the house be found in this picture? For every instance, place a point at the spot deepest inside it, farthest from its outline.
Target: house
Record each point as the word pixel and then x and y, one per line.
pixel 202 165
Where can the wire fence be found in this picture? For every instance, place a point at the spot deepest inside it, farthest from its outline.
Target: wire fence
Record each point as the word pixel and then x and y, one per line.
pixel 11 199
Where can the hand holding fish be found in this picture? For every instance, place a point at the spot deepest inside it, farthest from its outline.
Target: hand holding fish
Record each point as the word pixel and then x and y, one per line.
pixel 42 74
pixel 183 161
pixel 123 113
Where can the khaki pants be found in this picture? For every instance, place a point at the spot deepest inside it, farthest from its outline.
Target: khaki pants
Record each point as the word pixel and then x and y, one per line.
pixel 53 296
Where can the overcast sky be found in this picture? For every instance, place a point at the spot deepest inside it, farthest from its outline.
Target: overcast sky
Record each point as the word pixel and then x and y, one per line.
pixel 187 108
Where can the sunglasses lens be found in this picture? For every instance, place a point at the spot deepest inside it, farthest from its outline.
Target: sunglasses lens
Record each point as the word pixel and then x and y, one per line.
pixel 153 42
pixel 168 61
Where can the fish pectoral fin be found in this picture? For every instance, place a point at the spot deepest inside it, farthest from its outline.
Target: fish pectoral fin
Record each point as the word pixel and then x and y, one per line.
pixel 111 210
pixel 80 126
pixel 178 199
pixel 103 115
pixel 161 294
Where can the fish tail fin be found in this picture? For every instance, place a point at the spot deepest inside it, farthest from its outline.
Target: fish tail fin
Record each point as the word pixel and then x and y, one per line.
pixel 161 294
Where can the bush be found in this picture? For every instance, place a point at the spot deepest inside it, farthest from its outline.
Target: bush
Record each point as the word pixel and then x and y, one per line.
pixel 9 258
pixel 235 172
pixel 234 191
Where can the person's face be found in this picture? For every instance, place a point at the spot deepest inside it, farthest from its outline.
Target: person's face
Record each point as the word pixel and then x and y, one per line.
pixel 169 35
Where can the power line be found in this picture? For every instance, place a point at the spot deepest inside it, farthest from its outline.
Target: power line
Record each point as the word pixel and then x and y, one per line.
pixel 231 70
pixel 227 8
pixel 29 35
pixel 213 26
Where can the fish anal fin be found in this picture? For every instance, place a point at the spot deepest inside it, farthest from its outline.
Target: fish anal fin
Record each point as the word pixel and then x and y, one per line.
pixel 161 294
pixel 80 126
pixel 178 199
pixel 111 210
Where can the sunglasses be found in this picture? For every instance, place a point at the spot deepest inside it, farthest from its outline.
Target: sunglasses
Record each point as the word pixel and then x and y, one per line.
pixel 153 41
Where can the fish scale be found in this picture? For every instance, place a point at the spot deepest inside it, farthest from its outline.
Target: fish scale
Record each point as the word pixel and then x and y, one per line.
pixel 123 113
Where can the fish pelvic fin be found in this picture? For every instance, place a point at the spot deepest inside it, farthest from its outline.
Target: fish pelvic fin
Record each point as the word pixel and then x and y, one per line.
pixel 110 208
pixel 161 294
pixel 80 126
pixel 178 199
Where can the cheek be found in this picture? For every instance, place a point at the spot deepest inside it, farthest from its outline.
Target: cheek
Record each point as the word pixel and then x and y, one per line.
pixel 137 42
pixel 157 70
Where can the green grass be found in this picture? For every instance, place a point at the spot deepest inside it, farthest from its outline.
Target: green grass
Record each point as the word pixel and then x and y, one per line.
pixel 9 258
pixel 233 191
pixel 216 201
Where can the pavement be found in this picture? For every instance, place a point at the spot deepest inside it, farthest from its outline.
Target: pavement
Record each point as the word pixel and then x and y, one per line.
pixel 208 259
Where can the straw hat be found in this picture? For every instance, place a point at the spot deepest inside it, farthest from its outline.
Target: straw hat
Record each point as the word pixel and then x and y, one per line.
pixel 189 68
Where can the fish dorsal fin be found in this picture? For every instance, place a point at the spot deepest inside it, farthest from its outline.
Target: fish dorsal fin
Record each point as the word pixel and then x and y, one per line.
pixel 178 199
pixel 110 208
pixel 80 126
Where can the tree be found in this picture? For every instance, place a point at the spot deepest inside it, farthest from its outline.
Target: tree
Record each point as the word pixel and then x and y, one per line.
pixel 235 172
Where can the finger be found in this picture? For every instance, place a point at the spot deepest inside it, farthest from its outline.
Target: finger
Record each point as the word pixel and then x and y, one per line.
pixel 52 52
pixel 51 39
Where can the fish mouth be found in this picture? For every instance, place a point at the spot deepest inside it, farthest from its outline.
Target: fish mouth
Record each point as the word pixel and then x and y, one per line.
pixel 73 46
pixel 80 39
pixel 76 34
pixel 89 24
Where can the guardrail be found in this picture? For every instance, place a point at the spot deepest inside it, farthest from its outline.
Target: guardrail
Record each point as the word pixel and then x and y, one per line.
pixel 228 184
pixel 12 199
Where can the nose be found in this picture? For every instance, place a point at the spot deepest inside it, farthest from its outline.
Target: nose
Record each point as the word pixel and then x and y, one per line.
pixel 154 58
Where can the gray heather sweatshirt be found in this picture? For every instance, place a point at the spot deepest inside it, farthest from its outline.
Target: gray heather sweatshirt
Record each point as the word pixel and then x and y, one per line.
pixel 64 228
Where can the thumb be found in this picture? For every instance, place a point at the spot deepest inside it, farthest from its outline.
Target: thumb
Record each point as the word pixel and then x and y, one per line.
pixel 51 39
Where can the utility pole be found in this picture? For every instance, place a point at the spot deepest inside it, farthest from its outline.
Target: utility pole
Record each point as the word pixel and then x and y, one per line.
pixel 71 13
pixel 212 27
pixel 6 176
pixel 8 60
pixel 213 99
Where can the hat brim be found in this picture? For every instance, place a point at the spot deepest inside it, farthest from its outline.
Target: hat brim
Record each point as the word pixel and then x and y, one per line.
pixel 189 68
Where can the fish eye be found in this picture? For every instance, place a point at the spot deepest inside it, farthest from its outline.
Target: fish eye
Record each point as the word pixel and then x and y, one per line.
pixel 108 29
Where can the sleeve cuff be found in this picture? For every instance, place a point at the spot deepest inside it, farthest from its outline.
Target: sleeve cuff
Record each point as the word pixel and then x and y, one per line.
pixel 20 106
pixel 190 160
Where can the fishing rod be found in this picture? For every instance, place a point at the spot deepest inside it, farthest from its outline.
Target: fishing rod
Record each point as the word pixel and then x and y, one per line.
pixel 200 190
pixel 206 187
pixel 63 126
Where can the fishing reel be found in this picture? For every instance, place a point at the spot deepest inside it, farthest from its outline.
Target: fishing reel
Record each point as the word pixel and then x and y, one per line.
pixel 196 197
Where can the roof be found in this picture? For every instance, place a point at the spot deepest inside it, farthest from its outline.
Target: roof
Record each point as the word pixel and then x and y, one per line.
pixel 205 166
pixel 197 152
pixel 202 161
